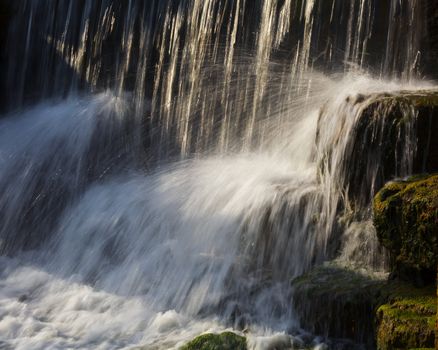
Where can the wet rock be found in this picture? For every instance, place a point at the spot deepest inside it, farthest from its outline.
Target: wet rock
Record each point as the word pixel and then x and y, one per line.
pixel 406 220
pixel 335 302
pixel 395 134
pixel 431 40
pixel 407 320
pixel 223 341
pixel 338 303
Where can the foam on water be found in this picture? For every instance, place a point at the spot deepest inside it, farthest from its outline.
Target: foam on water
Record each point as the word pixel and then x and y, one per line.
pixel 41 311
pixel 182 160
pixel 136 259
pixel 153 256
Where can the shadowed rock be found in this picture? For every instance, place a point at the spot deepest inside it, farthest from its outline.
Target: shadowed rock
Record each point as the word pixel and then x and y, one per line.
pixel 406 219
pixel 370 311
pixel 395 134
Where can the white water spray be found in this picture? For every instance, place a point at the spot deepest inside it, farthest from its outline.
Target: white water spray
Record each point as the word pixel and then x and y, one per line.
pixel 186 199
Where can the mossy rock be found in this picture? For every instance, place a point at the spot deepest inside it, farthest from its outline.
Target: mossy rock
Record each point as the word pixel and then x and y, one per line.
pixel 406 220
pixel 408 321
pixel 223 341
pixel 406 316
pixel 334 302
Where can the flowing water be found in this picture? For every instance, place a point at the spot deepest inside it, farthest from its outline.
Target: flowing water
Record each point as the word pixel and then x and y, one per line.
pixel 167 167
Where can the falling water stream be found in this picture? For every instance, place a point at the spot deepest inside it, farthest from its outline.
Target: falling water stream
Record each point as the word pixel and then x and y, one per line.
pixel 167 167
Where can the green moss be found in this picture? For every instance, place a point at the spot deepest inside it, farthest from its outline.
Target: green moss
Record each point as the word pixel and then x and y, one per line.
pixel 425 98
pixel 408 320
pixel 406 219
pixel 223 341
pixel 340 303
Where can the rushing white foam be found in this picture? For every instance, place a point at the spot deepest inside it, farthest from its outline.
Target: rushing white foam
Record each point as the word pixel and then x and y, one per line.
pixel 152 258
pixel 142 219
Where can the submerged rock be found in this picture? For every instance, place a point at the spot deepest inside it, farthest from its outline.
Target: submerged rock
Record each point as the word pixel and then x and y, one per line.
pixel 223 341
pixel 406 220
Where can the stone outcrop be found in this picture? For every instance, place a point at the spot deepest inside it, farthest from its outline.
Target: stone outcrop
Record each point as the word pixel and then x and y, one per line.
pixel 407 321
pixel 392 135
pixel 399 312
pixel 338 303
pixel 395 134
pixel 431 40
pixel 406 220
pixel 369 311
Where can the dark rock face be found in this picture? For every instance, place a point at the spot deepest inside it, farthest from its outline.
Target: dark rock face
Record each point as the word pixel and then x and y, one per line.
pixel 383 39
pixel 431 41
pixel 337 303
pixel 377 150
pixel 395 135
pixel 372 312
pixel 422 107
pixel 406 220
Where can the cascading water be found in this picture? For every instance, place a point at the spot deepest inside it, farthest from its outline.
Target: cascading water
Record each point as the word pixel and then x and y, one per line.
pixel 167 167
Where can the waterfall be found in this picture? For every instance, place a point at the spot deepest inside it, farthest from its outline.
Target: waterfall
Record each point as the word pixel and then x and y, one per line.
pixel 167 167
pixel 190 85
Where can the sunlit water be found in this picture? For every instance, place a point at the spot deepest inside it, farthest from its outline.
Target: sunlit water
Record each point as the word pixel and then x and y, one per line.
pixel 120 255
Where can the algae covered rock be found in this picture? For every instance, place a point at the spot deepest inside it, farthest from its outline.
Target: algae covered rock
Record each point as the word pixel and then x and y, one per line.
pixel 368 309
pixel 407 320
pixel 223 341
pixel 406 220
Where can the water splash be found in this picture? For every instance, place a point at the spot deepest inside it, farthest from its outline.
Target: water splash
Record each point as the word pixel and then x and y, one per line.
pixel 216 169
pixel 204 82
pixel 186 247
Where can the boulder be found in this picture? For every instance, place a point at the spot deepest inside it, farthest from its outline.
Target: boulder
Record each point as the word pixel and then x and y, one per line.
pixel 338 303
pixel 394 134
pixel 406 220
pixel 223 341
pixel 407 320
pixel 367 309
